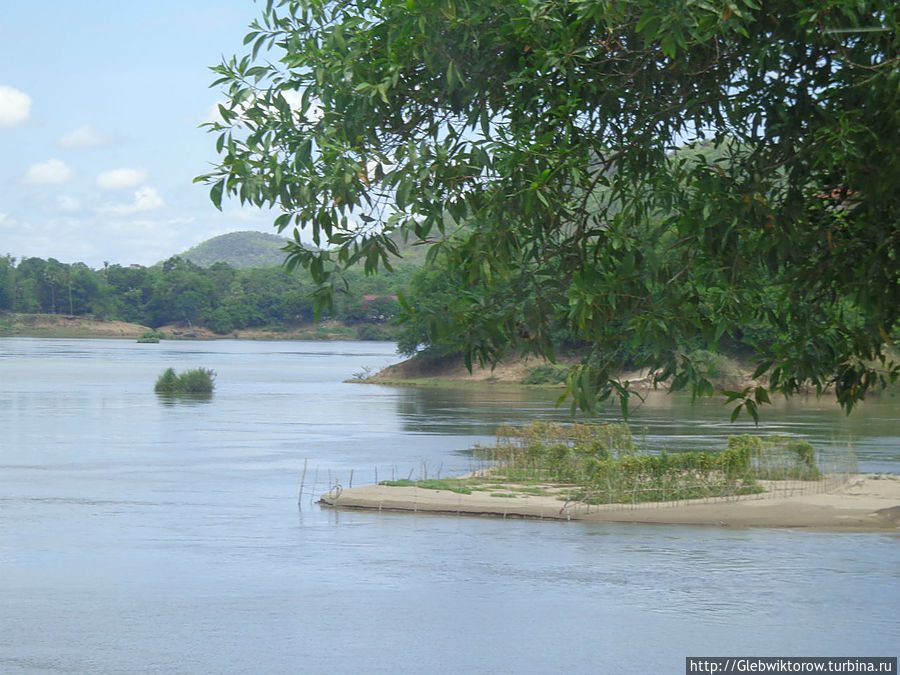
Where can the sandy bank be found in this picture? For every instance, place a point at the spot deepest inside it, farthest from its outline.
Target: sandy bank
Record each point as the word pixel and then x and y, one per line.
pixel 425 369
pixel 866 503
pixel 450 370
pixel 66 326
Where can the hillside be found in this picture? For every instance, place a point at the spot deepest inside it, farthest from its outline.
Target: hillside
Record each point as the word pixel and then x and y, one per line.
pixel 251 249
pixel 240 250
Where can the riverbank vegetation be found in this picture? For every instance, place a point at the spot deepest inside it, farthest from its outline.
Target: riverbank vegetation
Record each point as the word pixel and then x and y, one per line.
pixel 218 298
pixel 603 464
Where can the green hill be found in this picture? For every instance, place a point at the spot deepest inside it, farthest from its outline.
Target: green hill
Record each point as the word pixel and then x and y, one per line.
pixel 241 250
pixel 251 249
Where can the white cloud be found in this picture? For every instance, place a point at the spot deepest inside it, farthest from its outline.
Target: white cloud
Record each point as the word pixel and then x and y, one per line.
pixel 145 199
pixel 293 97
pixel 211 115
pixel 15 106
pixel 44 173
pixel 68 204
pixel 83 137
pixel 117 179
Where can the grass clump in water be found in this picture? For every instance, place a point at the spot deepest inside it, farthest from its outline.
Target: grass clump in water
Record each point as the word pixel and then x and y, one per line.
pixel 152 337
pixel 198 382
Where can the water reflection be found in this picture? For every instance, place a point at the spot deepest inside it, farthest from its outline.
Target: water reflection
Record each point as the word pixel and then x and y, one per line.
pixel 662 421
pixel 185 399
pixel 476 410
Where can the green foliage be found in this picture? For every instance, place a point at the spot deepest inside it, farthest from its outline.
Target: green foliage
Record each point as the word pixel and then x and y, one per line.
pixel 152 337
pixel 435 291
pixel 167 383
pixel 644 173
pixel 218 297
pixel 547 373
pixel 7 282
pixel 777 458
pixel 198 382
pixel 369 331
pixel 220 321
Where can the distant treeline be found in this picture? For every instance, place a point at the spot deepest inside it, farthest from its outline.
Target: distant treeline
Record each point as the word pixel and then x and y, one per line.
pixel 218 297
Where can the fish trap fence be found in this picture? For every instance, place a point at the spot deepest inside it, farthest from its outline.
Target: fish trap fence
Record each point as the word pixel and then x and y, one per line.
pixel 772 472
pixel 836 466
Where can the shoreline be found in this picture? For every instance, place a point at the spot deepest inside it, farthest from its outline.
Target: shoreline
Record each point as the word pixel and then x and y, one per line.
pixel 864 503
pixel 67 326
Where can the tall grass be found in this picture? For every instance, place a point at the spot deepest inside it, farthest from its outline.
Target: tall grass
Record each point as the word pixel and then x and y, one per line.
pixel 602 464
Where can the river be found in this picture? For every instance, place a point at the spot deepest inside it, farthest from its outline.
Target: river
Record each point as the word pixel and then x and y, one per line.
pixel 139 535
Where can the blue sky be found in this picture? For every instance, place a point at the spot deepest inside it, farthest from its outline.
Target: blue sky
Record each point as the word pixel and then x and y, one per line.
pixel 100 107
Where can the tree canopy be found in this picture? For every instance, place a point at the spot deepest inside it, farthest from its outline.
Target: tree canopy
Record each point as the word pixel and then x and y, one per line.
pixel 176 291
pixel 642 172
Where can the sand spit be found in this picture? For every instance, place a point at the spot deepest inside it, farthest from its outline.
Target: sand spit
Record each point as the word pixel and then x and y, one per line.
pixel 863 503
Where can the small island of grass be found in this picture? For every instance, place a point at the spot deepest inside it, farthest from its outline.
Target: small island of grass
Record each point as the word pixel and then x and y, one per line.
pixel 601 464
pixel 197 382
pixel 598 473
pixel 152 337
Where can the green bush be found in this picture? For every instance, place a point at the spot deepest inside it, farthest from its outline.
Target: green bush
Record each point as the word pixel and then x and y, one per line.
pixel 777 458
pixel 713 364
pixel 548 373
pixel 197 382
pixel 152 337
pixel 167 383
pixel 370 331
pixel 220 322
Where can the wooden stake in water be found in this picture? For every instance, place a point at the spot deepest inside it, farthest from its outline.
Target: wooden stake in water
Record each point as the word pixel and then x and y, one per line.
pixel 302 480
pixel 315 484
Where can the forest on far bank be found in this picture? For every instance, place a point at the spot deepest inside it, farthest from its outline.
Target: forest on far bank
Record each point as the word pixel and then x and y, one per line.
pixel 177 291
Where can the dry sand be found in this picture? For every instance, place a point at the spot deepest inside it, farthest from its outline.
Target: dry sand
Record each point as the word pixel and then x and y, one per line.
pixel 67 326
pixel 865 503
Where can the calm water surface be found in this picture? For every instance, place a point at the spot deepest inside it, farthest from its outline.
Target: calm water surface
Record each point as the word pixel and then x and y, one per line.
pixel 142 536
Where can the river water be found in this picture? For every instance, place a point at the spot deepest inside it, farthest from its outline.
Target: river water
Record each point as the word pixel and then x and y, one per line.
pixel 139 535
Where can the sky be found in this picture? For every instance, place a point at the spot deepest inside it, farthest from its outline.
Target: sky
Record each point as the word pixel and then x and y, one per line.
pixel 101 103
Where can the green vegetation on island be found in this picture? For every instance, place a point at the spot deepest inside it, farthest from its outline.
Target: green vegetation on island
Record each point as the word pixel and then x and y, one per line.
pixel 602 464
pixel 198 382
pixel 152 337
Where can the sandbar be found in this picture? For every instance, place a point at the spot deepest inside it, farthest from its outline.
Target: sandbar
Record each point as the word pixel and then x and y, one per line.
pixel 861 503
